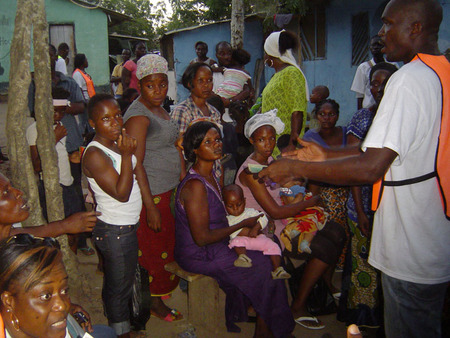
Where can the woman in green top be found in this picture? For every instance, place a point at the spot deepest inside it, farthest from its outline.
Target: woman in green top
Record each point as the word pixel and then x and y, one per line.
pixel 287 90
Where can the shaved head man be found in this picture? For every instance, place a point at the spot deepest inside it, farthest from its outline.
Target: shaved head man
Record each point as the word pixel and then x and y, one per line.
pixel 407 146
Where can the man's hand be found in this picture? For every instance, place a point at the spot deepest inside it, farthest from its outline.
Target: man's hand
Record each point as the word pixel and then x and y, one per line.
pixel 278 171
pixel 81 222
pixel 127 144
pixel 310 152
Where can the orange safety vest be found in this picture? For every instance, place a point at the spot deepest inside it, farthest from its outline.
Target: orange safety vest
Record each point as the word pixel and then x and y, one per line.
pixel 2 328
pixel 441 66
pixel 89 82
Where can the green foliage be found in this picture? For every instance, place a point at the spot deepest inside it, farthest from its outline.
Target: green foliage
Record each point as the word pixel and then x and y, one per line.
pixel 187 13
pixel 144 20
pixel 149 20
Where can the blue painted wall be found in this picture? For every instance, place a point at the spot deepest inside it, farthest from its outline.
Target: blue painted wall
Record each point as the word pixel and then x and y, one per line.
pixel 336 71
pixel 184 52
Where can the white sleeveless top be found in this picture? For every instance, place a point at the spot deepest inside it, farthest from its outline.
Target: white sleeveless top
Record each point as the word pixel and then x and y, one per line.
pixel 113 211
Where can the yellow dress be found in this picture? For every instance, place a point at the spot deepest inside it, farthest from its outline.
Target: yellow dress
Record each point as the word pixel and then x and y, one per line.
pixel 286 91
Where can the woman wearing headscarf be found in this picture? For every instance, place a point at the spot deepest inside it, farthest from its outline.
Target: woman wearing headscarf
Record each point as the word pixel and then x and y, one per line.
pixel 261 130
pixel 158 172
pixel 288 90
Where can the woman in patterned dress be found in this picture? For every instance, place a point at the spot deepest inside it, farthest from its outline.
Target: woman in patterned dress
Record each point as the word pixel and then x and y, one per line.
pixel 362 303
pixel 334 197
pixel 158 172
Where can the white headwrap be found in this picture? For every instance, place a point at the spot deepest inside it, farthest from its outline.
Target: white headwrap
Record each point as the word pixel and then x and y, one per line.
pixel 269 118
pixel 271 47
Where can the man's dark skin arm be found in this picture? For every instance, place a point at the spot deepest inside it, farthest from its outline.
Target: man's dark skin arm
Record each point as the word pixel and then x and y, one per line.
pixel 76 108
pixel 359 102
pixel 366 168
pixel 313 152
pixel 296 126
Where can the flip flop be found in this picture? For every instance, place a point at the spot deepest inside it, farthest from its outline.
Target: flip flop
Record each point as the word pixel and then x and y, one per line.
pixel 316 324
pixel 172 316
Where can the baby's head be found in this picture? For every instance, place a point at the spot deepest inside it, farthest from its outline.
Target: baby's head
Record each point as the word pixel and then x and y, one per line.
pixel 241 57
pixel 234 199
pixel 318 94
pixel 283 142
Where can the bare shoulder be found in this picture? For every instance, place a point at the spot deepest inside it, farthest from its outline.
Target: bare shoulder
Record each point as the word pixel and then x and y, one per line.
pixel 94 159
pixel 192 190
pixel 139 121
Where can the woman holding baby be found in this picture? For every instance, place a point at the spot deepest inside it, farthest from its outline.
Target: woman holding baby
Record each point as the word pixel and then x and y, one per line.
pixel 202 238
pixel 261 130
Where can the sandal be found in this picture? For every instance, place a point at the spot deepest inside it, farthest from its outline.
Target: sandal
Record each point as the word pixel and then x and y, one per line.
pixel 87 251
pixel 311 323
pixel 243 261
pixel 280 273
pixel 172 316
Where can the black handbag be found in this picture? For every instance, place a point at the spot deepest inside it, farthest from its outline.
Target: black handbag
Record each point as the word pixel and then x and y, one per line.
pixel 141 300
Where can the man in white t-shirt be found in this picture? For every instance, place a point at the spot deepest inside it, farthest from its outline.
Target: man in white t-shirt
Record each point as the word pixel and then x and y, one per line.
pixel 361 81
pixel 410 237
pixel 63 52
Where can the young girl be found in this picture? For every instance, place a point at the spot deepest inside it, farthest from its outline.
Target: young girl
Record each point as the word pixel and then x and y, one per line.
pixel 108 162
pixel 236 76
pixel 250 238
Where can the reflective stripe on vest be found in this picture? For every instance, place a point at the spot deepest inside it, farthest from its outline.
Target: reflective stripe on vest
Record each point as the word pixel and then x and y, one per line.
pixel 89 82
pixel 441 66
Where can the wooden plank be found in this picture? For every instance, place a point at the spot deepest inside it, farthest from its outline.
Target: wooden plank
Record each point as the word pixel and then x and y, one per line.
pixel 174 268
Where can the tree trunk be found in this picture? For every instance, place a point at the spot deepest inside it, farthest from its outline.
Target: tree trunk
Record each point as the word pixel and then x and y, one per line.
pixel 32 14
pixel 46 137
pixel 237 23
pixel 22 173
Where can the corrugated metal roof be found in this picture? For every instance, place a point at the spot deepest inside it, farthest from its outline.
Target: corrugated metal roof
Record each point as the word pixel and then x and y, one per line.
pixel 250 16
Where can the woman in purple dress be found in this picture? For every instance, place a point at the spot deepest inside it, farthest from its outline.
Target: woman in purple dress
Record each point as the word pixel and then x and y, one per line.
pixel 202 236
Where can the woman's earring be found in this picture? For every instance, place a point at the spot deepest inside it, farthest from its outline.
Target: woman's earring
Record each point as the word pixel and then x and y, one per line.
pixel 15 322
pixel 267 63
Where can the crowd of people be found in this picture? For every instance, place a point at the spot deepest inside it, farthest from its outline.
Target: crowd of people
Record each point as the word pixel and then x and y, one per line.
pixel 232 186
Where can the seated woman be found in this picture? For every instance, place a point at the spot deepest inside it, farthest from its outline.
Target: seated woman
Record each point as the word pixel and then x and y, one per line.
pixel 34 292
pixel 326 246
pixel 334 197
pixel 202 235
